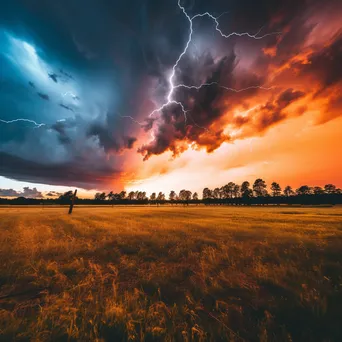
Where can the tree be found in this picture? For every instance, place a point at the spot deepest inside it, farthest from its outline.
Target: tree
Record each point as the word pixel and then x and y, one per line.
pixel 111 196
pixel 206 194
pixel 66 197
pixel 161 197
pixel 131 195
pixel 153 196
pixel 100 196
pixel 216 193
pixel 259 187
pixel 288 191
pixel 246 192
pixel 181 195
pixel 276 189
pixel 172 196
pixel 236 191
pixel 304 190
pixel 122 195
pixel 317 190
pixel 195 196
pixel 185 195
pixel 229 189
pixel 330 188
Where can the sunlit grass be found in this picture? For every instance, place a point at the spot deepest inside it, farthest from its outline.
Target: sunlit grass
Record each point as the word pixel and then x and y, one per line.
pixel 171 273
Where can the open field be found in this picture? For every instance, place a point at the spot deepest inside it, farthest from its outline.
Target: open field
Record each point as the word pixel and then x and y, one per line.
pixel 171 274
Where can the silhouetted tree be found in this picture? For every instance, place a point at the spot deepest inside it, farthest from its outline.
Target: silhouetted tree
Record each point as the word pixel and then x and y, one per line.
pixel 276 189
pixel 230 189
pixel 195 196
pixel 161 197
pixel 246 191
pixel 236 191
pixel 206 193
pixel 131 195
pixel 185 195
pixel 153 196
pixel 141 196
pixel 216 193
pixel 329 188
pixel 64 199
pixel 100 196
pixel 122 195
pixel 172 196
pixel 66 196
pixel 317 190
pixel 259 187
pixel 111 196
pixel 304 190
pixel 288 191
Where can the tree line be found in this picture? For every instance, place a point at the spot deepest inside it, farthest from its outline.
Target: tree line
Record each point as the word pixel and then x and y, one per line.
pixel 229 194
pixel 232 193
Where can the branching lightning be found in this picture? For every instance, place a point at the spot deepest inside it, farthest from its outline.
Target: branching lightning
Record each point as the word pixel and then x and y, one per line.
pixel 223 87
pixel 37 125
pixel 172 86
pixel 131 117
pixel 69 93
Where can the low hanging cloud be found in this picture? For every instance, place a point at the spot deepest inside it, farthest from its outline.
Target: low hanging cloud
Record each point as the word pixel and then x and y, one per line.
pixel 27 192
pixel 53 194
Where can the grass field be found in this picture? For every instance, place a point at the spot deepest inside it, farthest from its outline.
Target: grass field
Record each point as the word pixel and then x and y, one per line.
pixel 171 274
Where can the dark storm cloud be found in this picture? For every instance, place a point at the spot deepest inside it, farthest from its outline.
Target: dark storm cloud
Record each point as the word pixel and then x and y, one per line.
pixel 273 112
pixel 101 55
pixel 79 173
pixel 108 57
pixel 107 139
pixel 54 77
pixel 66 74
pixel 27 192
pixel 325 65
pixel 61 130
pixel 66 107
pixel 44 96
pixel 210 104
pixel 204 106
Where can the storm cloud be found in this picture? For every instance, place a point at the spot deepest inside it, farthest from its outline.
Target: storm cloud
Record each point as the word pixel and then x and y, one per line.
pixel 27 192
pixel 96 74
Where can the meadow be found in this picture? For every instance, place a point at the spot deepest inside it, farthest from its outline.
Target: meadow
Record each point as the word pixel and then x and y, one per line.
pixel 176 273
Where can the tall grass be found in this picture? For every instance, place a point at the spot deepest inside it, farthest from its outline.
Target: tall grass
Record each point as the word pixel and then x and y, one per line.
pixel 171 274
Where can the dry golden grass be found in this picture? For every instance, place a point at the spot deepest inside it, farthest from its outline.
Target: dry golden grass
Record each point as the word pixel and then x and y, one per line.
pixel 171 274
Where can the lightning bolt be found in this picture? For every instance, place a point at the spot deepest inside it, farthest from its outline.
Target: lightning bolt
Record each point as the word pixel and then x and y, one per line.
pixel 172 86
pixel 69 93
pixel 37 125
pixel 221 86
pixel 131 117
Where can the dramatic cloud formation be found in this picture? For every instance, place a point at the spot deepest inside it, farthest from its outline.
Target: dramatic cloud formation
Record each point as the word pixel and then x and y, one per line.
pixel 27 192
pixel 53 194
pixel 80 89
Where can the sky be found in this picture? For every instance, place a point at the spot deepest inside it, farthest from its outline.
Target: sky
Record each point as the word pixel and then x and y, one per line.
pixel 157 95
